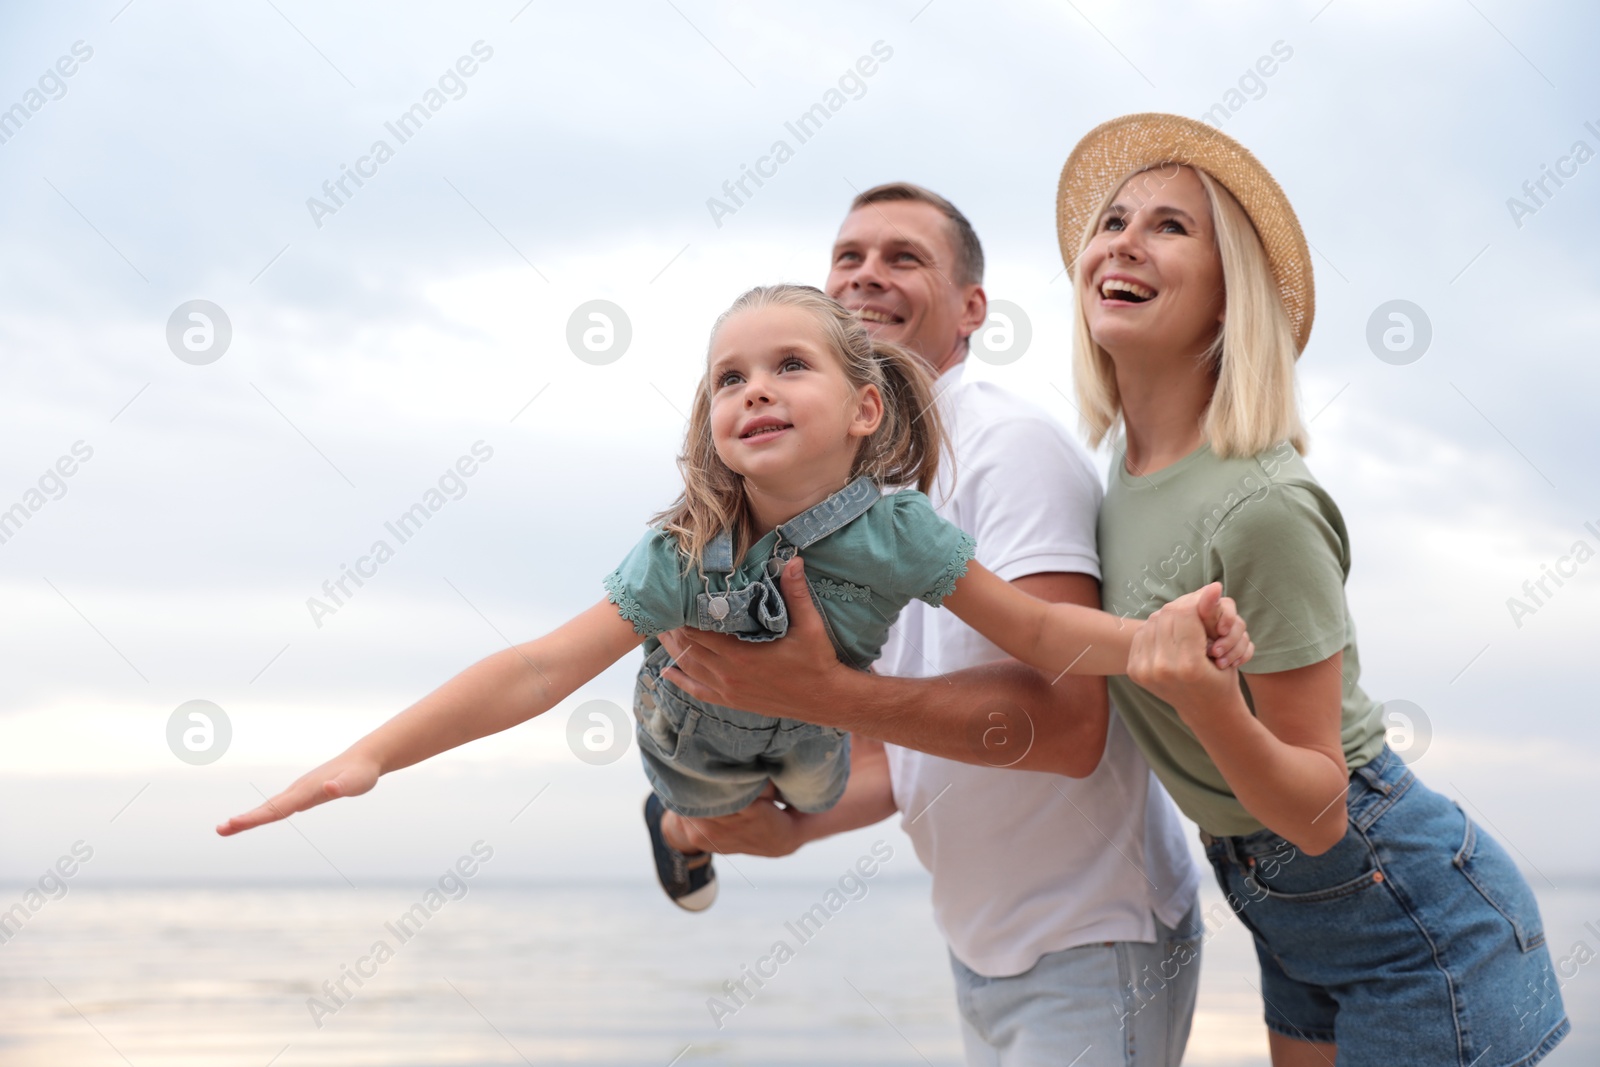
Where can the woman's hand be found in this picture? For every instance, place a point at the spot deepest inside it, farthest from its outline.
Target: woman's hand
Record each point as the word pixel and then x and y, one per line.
pixel 1172 652
pixel 347 775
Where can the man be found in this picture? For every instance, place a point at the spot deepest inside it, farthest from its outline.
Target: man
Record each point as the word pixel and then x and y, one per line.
pixel 1066 894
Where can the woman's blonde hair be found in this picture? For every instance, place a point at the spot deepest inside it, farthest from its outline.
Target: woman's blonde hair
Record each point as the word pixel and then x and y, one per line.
pixel 903 450
pixel 1254 405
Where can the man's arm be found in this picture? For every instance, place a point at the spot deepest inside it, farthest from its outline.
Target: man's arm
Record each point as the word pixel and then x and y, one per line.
pixel 764 829
pixel 979 715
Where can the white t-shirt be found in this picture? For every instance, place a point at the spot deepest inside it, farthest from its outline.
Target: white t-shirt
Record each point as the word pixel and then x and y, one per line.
pixel 1026 862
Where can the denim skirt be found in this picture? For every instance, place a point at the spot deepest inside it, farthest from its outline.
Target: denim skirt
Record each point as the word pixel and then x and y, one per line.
pixel 1414 940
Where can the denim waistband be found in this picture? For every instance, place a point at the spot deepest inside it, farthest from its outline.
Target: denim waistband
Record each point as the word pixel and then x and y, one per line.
pixel 1373 789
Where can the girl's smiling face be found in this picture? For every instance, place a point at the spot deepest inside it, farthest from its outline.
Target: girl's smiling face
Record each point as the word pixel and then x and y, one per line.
pixel 783 414
pixel 1152 272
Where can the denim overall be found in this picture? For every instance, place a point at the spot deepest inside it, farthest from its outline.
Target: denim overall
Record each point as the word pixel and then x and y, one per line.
pixel 706 760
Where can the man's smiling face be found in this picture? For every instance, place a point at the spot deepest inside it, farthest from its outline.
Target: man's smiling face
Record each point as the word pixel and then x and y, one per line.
pixel 894 265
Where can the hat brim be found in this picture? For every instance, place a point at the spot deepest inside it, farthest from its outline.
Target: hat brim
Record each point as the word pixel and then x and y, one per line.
pixel 1113 150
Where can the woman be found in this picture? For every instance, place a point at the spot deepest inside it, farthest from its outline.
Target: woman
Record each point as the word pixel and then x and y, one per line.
pixel 1389 927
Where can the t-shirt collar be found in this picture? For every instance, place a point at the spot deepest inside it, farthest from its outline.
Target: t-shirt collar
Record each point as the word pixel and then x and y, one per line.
pixel 950 378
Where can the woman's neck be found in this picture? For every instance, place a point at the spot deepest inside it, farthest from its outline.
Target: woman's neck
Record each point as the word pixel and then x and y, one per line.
pixel 1163 404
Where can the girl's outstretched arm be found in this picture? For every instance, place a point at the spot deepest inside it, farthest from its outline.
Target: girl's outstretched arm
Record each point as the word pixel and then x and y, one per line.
pixel 1058 638
pixel 494 694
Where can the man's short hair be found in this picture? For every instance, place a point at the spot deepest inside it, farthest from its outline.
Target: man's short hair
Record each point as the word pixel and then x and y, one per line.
pixel 969 252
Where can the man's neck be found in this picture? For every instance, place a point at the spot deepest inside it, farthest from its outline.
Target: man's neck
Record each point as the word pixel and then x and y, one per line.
pixel 956 355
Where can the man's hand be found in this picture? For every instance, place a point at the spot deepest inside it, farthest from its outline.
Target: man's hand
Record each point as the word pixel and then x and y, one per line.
pixel 762 829
pixel 779 678
pixel 766 829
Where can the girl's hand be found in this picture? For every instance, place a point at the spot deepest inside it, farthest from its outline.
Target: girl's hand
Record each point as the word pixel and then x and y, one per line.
pixel 1170 653
pixel 1230 643
pixel 344 776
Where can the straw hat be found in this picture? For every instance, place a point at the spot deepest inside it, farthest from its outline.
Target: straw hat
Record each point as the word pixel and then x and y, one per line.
pixel 1115 149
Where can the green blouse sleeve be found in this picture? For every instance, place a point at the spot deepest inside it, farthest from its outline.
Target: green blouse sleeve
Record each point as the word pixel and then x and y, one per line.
pixel 648 588
pixel 929 553
pixel 1283 558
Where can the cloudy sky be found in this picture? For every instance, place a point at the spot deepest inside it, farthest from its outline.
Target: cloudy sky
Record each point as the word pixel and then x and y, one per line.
pixel 383 332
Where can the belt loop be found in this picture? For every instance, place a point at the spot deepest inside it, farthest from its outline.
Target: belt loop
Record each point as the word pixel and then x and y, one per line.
pixel 1372 774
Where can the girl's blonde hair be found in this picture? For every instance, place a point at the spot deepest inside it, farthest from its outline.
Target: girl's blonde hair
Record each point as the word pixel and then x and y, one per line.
pixel 1254 405
pixel 903 450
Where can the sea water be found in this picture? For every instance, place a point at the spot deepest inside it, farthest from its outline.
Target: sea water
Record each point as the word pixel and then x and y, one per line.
pixel 603 973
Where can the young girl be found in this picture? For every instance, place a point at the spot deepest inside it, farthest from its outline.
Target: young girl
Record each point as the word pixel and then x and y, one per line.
pixel 1390 929
pixel 799 421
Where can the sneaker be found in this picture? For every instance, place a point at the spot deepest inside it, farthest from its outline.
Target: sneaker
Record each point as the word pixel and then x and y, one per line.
pixel 687 878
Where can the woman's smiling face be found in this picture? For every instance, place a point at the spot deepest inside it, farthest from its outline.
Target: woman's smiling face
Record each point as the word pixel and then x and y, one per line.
pixel 1151 274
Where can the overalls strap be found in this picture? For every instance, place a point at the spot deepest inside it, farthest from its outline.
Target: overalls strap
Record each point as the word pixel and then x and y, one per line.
pixel 756 612
pixel 805 529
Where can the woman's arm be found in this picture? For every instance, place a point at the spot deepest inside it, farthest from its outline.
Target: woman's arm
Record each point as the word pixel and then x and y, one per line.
pixel 494 694
pixel 1070 638
pixel 1285 763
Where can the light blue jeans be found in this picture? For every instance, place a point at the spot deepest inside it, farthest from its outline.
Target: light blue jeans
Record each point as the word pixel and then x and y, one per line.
pixel 1109 1004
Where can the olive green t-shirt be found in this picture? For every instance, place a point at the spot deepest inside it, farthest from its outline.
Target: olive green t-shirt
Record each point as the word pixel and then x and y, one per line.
pixel 1264 528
